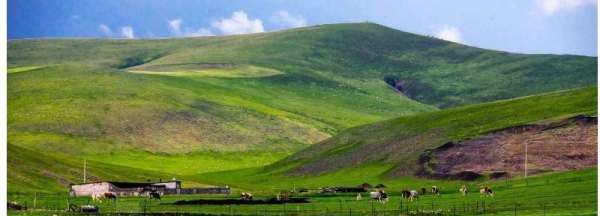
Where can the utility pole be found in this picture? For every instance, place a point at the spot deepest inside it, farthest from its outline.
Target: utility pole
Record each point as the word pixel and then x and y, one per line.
pixel 526 182
pixel 84 169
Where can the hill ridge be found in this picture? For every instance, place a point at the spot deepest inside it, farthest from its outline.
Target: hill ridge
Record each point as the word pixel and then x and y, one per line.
pixel 402 141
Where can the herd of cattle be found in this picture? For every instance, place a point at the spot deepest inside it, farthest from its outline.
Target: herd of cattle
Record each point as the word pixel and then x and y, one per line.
pixel 99 197
pixel 381 196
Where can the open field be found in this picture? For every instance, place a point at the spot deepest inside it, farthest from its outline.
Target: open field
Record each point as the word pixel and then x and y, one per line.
pixel 568 193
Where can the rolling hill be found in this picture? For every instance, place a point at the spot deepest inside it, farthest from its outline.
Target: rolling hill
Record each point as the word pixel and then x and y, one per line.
pixel 480 137
pixel 185 106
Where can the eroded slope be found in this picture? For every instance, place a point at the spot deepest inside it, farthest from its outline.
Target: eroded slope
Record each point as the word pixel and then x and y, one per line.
pixel 569 144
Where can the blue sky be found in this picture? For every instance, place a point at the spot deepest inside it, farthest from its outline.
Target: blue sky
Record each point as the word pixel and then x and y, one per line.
pixel 526 26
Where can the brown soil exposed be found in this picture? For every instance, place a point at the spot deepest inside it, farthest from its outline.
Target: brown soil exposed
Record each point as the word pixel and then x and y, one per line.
pixel 566 145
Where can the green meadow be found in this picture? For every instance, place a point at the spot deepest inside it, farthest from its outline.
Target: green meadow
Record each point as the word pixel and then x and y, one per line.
pixel 327 105
pixel 541 195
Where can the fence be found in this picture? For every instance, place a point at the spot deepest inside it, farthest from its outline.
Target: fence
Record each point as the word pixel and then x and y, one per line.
pixel 58 203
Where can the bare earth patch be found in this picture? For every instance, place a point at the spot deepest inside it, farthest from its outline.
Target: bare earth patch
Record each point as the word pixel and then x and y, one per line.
pixel 567 145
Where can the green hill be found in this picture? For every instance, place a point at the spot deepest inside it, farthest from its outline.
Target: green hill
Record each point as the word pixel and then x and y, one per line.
pixel 195 105
pixel 398 144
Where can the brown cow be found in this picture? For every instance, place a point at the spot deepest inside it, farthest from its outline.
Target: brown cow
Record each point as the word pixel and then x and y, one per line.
pixel 486 191
pixel 246 196
pixel 110 196
pixel 154 195
pixel 405 194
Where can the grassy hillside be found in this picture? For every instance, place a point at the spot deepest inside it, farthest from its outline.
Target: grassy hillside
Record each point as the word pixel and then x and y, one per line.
pixel 248 99
pixel 352 57
pixel 33 171
pixel 398 143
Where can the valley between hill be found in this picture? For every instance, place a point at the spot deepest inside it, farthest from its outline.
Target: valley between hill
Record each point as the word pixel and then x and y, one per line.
pixel 139 109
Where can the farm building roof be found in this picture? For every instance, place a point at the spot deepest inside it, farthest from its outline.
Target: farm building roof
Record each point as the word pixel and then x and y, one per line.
pixel 134 184
pixel 130 184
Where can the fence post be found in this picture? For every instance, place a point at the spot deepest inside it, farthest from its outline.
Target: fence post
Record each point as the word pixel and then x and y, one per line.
pixel 453 210
pixel 34 200
pixel 515 209
pixel 483 206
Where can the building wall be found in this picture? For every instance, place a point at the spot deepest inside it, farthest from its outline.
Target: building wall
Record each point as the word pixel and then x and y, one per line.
pixel 215 190
pixel 89 189
pixel 170 185
pixel 170 188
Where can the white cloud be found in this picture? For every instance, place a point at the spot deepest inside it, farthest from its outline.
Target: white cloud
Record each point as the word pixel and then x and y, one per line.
pixel 238 23
pixel 198 33
pixel 285 19
pixel 175 26
pixel 450 33
pixel 127 32
pixel 105 30
pixel 550 7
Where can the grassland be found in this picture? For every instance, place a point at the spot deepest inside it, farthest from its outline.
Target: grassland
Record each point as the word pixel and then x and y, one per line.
pixel 567 193
pixel 243 71
pixel 38 172
pixel 194 108
pixel 401 141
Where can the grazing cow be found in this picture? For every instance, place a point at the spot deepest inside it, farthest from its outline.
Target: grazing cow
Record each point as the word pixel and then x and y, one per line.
pixel 327 190
pixel 110 196
pixel 283 196
pixel 405 194
pixel 414 195
pixel 73 208
pixel 16 206
pixel 464 190
pixel 246 196
pixel 358 197
pixel 381 196
pixel 435 190
pixel 154 195
pixel 88 208
pixel 486 191
pixel 423 191
pixel 97 197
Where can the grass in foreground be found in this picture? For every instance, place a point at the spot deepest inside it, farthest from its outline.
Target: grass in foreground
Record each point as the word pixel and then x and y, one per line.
pixel 567 193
